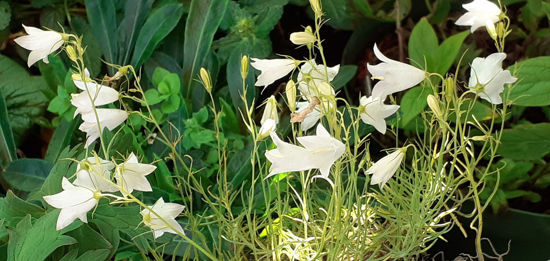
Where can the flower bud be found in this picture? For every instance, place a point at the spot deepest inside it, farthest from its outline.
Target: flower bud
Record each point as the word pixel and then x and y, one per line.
pixel 433 103
pixel 270 110
pixel 492 31
pixel 449 87
pixel 316 7
pixel 480 138
pixel 244 67
pixel 290 92
pixel 205 78
pixel 305 37
pixel 267 127
pixel 70 52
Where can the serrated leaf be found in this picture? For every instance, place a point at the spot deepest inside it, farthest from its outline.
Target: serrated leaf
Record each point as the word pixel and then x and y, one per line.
pixel 533 85
pixel 526 142
pixel 13 209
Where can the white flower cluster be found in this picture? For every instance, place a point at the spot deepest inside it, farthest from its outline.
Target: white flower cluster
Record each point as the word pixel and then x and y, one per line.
pixel 95 177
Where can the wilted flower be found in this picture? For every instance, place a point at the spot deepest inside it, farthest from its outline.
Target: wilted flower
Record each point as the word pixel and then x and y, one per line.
pixel 270 110
pixel 96 171
pixel 374 112
pixel 41 43
pixel 305 37
pixel 480 13
pixel 108 118
pixel 386 167
pixel 311 118
pixel 319 152
pixel 487 77
pixel 74 202
pixel 130 175
pixel 272 69
pixel 394 76
pixel 166 211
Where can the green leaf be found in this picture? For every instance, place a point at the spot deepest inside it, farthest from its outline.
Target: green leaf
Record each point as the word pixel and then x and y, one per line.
pixel 102 17
pixel 413 103
pixel 340 14
pixel 526 142
pixel 64 167
pixel 89 239
pixel 5 15
pixel 422 43
pixel 202 23
pixel 90 255
pixel 159 74
pixel 135 13
pixel 446 53
pixel 14 209
pixel 158 25
pixel 92 56
pixel 30 242
pixel 61 139
pixel 27 174
pixel 235 80
pixel 533 85
pixel 7 143
pixel 345 74
pixel 171 105
pixel 152 96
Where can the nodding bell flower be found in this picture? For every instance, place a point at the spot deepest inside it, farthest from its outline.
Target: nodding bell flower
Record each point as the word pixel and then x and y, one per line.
pixel 267 127
pixel 108 118
pixel 386 167
pixel 74 202
pixel 41 43
pixel 374 112
pixel 96 171
pixel 480 13
pixel 270 118
pixel 487 78
pixel 394 76
pixel 319 152
pixel 272 69
pixel 93 94
pixel 166 211
pixel 311 118
pixel 314 80
pixel 305 37
pixel 130 175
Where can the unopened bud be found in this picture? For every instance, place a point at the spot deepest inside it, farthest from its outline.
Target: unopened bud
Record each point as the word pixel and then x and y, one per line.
pixel 479 138
pixel 70 52
pixel 449 87
pixel 270 110
pixel 433 103
pixel 267 127
pixel 290 92
pixel 205 78
pixel 244 67
pixel 316 7
pixel 492 31
pixel 305 37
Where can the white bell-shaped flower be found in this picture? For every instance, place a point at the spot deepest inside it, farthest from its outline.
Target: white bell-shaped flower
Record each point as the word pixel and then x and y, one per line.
pixel 394 76
pixel 487 77
pixel 386 167
pixel 41 43
pixel 311 118
pixel 93 94
pixel 319 152
pixel 108 118
pixel 314 80
pixel 74 202
pixel 96 171
pixel 374 112
pixel 166 211
pixel 267 127
pixel 480 13
pixel 130 175
pixel 272 69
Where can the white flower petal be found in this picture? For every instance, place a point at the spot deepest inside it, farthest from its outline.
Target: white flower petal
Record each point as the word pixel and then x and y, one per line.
pixel 272 69
pixel 480 13
pixel 40 43
pixel 386 167
pixel 375 112
pixel 488 73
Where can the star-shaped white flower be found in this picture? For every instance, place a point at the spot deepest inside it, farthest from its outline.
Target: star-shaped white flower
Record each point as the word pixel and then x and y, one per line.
pixel 386 167
pixel 394 76
pixel 95 171
pixel 480 13
pixel 93 95
pixel 272 69
pixel 108 118
pixel 374 112
pixel 41 43
pixel 319 152
pixel 130 175
pixel 487 77
pixel 168 212
pixel 74 202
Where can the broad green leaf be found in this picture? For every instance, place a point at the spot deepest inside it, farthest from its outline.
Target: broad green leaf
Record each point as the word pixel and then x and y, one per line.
pixel 92 56
pixel 27 174
pixel 5 15
pixel 31 242
pixel 152 97
pixel 446 53
pixel 7 143
pixel 533 85
pixel 23 96
pixel 159 74
pixel 64 167
pixel 202 23
pixel 14 209
pixel 90 255
pixel 413 103
pixel 422 44
pixel 61 139
pixel 345 74
pixel 102 17
pixel 526 142
pixel 340 14
pixel 111 219
pixel 89 239
pixel 158 25
pixel 135 13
